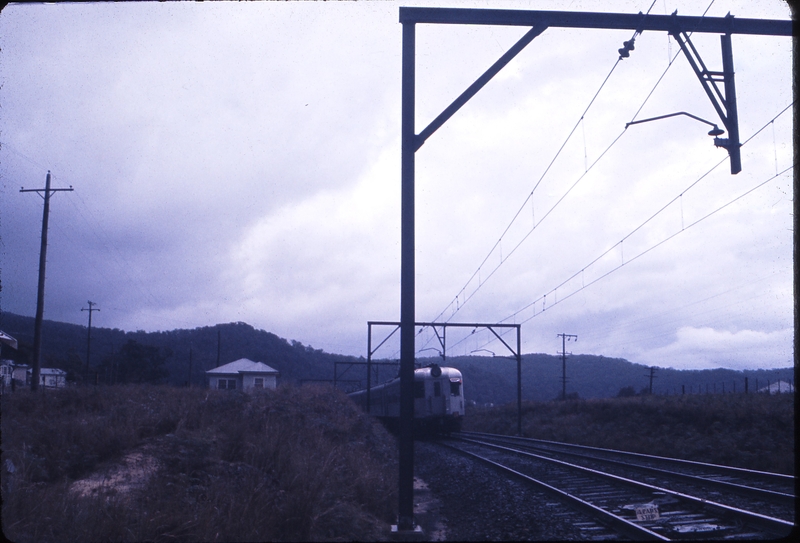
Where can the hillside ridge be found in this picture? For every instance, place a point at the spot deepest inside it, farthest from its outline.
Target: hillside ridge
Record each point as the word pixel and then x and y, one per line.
pixel 189 353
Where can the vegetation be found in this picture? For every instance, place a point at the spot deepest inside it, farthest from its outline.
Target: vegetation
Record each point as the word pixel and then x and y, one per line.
pixel 186 354
pixel 137 363
pixel 754 431
pixel 494 380
pixel 197 465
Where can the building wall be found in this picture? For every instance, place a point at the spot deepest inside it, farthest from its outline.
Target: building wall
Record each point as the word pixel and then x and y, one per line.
pixel 213 382
pixel 53 381
pixel 245 382
pixel 249 381
pixel 6 371
pixel 21 374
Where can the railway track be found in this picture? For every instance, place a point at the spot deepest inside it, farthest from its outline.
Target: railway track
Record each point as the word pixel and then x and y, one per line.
pixel 644 497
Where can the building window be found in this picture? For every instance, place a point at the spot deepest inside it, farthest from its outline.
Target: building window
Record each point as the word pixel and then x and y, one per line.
pixel 258 382
pixel 229 384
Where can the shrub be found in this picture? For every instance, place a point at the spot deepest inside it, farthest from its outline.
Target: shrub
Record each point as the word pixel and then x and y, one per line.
pixel 626 392
pixel 288 464
pixel 754 431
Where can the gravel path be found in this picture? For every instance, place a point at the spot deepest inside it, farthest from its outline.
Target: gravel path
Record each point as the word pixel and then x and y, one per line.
pixel 476 504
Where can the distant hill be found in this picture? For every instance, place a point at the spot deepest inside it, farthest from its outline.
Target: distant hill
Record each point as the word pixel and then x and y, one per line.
pixel 64 346
pixel 494 380
pixel 486 379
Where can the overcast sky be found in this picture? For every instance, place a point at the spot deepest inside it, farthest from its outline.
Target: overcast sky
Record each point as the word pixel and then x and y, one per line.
pixel 241 162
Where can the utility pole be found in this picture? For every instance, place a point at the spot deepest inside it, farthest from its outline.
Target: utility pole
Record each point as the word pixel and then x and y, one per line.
pixel 564 339
pixel 37 329
pixel 189 380
pixel 219 343
pixel 652 376
pixel 89 335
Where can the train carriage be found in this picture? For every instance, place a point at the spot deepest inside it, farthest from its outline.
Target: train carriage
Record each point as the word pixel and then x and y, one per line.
pixel 438 400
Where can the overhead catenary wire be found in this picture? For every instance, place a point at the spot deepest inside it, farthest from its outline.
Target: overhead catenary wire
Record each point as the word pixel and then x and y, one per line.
pixel 463 296
pixel 528 198
pixel 513 316
pixel 456 304
pixel 646 333
pixel 717 210
pixel 617 268
pixel 661 210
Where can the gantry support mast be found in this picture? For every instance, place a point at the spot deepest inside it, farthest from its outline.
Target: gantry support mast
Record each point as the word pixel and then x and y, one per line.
pixel 538 21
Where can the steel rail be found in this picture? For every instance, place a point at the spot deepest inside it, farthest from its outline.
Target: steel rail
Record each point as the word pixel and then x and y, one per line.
pixel 615 522
pixel 771 524
pixel 782 477
pixel 763 493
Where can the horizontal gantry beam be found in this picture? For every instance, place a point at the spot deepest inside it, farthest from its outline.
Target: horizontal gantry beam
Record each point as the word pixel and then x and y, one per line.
pixel 574 19
pixel 449 324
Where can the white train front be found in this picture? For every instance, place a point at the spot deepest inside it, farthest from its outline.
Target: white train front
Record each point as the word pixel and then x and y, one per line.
pixel 438 400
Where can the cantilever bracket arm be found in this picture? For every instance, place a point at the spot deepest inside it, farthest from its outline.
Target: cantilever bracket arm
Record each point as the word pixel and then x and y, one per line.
pixel 369 326
pixel 725 105
pixel 516 354
pixel 715 132
pixel 479 83
pixel 441 339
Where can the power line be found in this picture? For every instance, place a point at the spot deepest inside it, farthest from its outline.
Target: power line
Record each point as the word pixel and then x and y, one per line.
pixel 662 209
pixel 638 324
pixel 37 329
pixel 586 285
pixel 717 210
pixel 467 297
pixel 563 353
pixel 524 203
pixel 94 225
pixel 89 336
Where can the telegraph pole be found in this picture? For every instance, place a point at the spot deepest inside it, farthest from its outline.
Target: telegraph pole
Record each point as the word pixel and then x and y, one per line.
pixel 652 376
pixel 219 343
pixel 189 380
pixel 564 339
pixel 37 329
pixel 89 336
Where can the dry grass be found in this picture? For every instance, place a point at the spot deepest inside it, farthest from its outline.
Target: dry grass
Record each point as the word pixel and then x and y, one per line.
pixel 148 463
pixel 755 431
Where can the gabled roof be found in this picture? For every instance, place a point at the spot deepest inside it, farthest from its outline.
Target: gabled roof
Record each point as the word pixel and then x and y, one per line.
pixel 44 371
pixel 243 365
pixel 778 387
pixel 8 340
pixel 52 371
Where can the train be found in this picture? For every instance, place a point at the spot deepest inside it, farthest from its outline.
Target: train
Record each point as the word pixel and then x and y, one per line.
pixel 438 400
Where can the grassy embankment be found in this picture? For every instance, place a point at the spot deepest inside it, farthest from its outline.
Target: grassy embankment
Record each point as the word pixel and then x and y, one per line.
pixel 754 431
pixel 193 465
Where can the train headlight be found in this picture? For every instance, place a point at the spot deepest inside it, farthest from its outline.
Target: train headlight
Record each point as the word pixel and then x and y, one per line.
pixel 436 371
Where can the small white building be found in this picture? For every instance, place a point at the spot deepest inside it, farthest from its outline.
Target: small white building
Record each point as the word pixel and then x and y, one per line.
pixel 49 377
pixel 243 374
pixel 11 371
pixel 22 373
pixel 6 372
pixel 7 366
pixel 780 387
